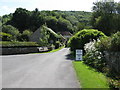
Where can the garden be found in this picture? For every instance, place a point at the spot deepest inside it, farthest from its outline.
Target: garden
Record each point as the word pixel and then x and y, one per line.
pixel 101 52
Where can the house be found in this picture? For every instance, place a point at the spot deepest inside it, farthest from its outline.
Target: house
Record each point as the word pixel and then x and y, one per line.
pixel 66 34
pixel 35 37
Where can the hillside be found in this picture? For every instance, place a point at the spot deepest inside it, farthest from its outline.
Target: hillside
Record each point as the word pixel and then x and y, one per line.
pixel 72 21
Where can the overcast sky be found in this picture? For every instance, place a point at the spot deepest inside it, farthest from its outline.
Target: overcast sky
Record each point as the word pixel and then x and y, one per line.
pixel 9 6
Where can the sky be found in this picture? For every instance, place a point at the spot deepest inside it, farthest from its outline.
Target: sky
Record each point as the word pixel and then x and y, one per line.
pixel 9 6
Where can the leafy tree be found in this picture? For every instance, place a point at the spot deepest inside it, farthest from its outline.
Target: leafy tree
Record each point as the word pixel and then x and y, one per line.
pixel 36 20
pixel 106 17
pixel 6 19
pixel 52 22
pixel 20 19
pixel 64 25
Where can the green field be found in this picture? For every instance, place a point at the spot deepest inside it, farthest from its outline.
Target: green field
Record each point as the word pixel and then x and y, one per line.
pixel 88 77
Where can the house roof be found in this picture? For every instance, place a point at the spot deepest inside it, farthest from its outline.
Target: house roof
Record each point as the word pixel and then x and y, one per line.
pixel 66 33
pixel 49 29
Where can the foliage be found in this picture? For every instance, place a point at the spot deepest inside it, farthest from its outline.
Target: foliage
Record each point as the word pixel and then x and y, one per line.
pixel 106 17
pixel 5 36
pixel 103 55
pixel 25 35
pixel 12 44
pixel 82 37
pixel 20 19
pixel 57 44
pixel 64 25
pixel 0 23
pixel 56 20
pixel 51 22
pixel 6 18
pixel 11 30
pixel 93 57
pixel 44 36
pixel 111 43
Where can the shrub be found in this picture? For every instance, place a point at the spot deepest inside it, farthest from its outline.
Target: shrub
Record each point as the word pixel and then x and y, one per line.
pixel 115 42
pixel 25 35
pixel 104 56
pixel 11 30
pixel 109 43
pixel 93 57
pixel 5 36
pixel 57 44
pixel 82 37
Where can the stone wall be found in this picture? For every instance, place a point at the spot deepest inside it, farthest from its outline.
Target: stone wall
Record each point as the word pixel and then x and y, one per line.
pixel 20 50
pixel 113 61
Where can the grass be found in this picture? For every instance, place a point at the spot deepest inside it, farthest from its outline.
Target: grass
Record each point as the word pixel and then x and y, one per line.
pixel 55 50
pixel 88 77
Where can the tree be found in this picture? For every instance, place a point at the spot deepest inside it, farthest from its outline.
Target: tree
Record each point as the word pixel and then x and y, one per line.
pixel 52 22
pixel 106 17
pixel 64 25
pixel 20 19
pixel 36 20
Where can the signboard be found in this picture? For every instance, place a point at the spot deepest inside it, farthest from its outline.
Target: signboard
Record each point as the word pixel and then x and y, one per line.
pixel 79 54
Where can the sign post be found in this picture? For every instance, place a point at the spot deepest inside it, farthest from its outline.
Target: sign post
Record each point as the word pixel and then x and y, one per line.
pixel 79 54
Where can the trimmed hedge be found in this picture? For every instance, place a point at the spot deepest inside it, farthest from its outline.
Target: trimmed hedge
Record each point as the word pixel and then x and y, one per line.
pixel 17 44
pixel 82 37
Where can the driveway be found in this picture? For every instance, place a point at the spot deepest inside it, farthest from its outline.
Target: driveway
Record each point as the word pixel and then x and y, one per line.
pixel 47 70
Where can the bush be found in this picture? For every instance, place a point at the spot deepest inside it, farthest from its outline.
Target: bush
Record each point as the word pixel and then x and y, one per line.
pixel 25 35
pixel 11 30
pixel 5 36
pixel 109 43
pixel 82 37
pixel 104 56
pixel 57 44
pixel 93 57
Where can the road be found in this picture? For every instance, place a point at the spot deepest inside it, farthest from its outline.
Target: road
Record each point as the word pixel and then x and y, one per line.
pixel 48 70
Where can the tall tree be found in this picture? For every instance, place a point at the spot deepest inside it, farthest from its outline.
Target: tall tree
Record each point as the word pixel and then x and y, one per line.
pixel 21 19
pixel 105 16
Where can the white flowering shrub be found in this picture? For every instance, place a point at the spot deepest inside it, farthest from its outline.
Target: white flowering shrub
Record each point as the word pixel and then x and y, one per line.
pixel 93 57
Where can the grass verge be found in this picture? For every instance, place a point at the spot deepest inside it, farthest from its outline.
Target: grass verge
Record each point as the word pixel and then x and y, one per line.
pixel 55 50
pixel 88 77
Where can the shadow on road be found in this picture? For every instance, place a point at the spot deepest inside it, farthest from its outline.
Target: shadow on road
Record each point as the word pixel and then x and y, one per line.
pixel 69 57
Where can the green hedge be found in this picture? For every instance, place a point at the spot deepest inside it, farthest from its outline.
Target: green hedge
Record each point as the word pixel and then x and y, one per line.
pixel 15 44
pixel 82 37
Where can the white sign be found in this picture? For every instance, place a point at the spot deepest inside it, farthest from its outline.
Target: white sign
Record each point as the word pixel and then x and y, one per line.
pixel 79 54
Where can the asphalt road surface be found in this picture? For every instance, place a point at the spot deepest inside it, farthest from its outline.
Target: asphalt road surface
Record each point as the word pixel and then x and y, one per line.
pixel 48 70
